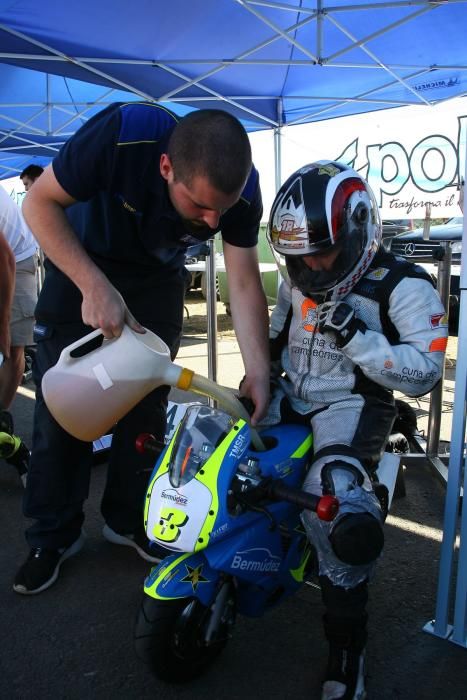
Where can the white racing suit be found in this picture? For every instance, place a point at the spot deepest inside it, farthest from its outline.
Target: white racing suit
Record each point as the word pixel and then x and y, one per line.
pixel 347 397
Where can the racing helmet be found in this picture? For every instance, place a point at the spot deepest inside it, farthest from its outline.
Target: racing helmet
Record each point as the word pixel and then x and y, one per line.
pixel 322 207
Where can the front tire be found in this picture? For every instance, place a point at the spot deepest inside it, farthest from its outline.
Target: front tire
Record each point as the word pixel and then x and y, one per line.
pixel 170 638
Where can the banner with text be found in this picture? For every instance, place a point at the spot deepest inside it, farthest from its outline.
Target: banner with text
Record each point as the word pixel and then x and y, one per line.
pixel 411 156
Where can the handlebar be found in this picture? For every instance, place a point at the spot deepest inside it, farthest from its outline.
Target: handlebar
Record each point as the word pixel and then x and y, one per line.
pixel 146 443
pixel 325 507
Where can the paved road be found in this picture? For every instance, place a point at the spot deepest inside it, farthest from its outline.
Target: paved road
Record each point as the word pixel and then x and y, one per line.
pixel 74 641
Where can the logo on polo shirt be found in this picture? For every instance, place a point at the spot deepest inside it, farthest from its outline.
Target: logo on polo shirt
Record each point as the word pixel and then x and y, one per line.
pixel 126 204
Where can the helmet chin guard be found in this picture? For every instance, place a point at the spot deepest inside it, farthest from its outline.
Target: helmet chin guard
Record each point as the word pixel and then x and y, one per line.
pixel 322 208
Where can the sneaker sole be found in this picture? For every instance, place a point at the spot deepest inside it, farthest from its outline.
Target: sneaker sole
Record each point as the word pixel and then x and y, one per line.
pixel 73 549
pixel 331 688
pixel 112 536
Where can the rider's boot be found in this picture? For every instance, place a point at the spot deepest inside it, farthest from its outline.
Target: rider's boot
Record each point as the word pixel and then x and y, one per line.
pixel 12 448
pixel 20 460
pixel 6 421
pixel 345 674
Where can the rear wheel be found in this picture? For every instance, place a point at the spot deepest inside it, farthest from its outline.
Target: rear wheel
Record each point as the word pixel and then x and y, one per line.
pixel 170 636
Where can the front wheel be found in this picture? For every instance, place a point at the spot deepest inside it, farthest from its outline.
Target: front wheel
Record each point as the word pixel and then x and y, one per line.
pixel 170 636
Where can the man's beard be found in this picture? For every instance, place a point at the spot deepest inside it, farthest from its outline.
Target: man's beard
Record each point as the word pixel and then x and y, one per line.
pixel 198 228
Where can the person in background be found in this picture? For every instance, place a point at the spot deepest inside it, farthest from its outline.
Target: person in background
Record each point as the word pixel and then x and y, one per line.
pixel 21 241
pixel 7 287
pixel 352 324
pixel 114 213
pixel 30 175
pixel 12 449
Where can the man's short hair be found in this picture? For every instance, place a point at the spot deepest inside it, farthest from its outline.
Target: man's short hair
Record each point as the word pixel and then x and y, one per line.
pixel 32 171
pixel 211 143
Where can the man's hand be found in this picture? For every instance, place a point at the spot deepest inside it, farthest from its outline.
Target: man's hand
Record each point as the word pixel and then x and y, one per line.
pixel 339 318
pixel 258 391
pixel 103 307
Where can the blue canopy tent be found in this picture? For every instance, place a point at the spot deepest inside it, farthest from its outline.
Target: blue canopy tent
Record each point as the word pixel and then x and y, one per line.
pixel 270 63
pixel 39 111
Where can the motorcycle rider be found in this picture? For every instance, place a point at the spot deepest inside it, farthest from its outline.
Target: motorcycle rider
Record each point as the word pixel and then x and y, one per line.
pixel 352 324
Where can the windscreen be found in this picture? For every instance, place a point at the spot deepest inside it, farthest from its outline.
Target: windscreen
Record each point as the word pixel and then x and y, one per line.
pixel 202 429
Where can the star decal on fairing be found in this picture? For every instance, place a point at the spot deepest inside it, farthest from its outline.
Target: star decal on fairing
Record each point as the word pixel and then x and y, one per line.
pixel 194 576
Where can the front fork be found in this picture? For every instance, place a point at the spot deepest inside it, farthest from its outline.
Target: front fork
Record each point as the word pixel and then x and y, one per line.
pixel 222 618
pixel 189 576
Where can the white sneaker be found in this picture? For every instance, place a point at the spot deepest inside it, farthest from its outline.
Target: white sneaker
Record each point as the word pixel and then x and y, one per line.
pixel 149 551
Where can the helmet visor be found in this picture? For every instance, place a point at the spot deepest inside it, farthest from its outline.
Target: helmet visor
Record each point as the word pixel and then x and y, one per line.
pixel 319 281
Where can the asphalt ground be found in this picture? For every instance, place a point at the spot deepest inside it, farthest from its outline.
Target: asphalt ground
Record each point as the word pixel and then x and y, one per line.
pixel 75 640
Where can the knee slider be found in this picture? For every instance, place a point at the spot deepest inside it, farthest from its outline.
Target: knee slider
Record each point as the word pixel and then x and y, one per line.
pixel 357 538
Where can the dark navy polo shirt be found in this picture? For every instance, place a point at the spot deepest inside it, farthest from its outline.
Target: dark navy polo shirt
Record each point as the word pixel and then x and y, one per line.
pixel 124 217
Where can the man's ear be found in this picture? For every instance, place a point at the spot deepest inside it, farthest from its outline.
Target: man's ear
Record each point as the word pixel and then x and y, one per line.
pixel 166 167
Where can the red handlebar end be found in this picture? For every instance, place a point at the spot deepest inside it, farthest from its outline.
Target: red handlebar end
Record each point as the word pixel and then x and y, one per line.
pixel 141 440
pixel 327 508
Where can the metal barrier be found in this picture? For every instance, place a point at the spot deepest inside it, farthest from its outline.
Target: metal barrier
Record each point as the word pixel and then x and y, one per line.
pixel 428 448
pixel 450 576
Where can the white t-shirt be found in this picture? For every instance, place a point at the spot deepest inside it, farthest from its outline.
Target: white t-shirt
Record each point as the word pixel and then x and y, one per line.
pixel 15 229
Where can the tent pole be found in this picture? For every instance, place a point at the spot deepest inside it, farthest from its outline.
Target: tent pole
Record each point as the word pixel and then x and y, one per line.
pixel 277 157
pixel 459 633
pixel 278 146
pixel 278 163
pixel 211 299
pixel 436 396
pixel 439 626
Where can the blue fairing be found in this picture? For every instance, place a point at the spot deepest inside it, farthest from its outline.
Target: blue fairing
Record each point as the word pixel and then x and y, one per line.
pixel 182 576
pixel 265 551
pixel 277 461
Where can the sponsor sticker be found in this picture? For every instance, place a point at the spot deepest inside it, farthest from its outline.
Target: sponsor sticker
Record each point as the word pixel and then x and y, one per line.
pixel 174 496
pixel 329 170
pixel 439 320
pixel 258 559
pixel 239 447
pixel 378 274
pixel 194 576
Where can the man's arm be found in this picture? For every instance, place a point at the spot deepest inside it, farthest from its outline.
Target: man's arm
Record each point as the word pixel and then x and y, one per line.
pixel 250 320
pixel 7 287
pixel 44 210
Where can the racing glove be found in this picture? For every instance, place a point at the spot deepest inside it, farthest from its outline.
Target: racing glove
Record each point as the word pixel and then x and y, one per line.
pixel 339 318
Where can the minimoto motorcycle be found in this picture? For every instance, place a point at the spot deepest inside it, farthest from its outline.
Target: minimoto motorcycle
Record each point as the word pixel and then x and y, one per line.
pixel 230 517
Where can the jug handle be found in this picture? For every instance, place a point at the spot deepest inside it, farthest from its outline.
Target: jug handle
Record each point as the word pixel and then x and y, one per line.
pixel 65 355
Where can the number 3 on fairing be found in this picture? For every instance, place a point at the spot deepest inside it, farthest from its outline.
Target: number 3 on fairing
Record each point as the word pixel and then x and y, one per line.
pixel 170 522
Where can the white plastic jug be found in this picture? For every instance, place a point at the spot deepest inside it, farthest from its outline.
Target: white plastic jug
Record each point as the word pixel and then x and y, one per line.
pixel 87 395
